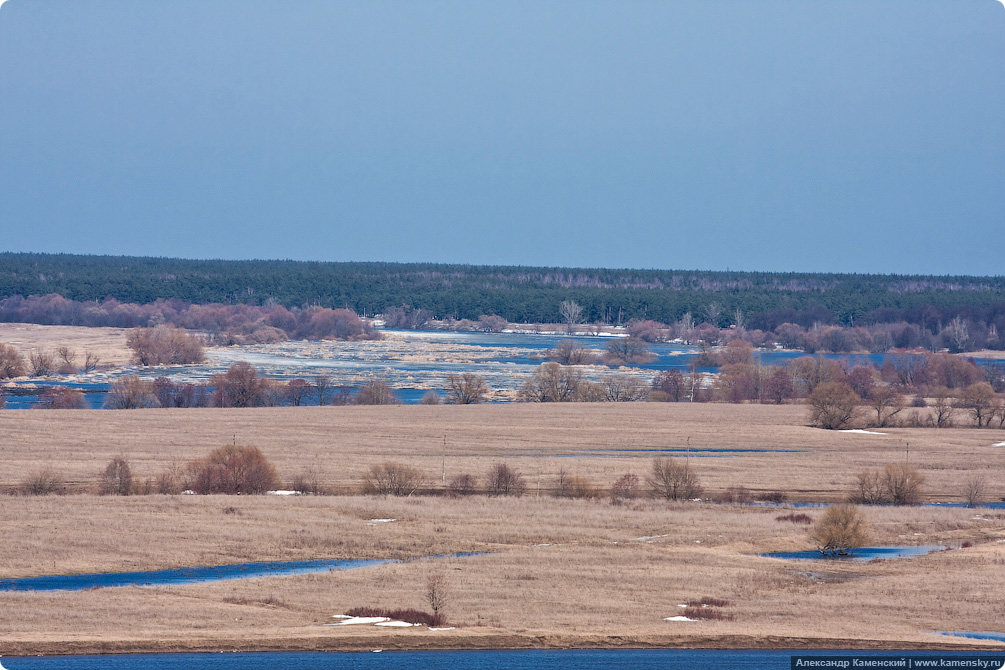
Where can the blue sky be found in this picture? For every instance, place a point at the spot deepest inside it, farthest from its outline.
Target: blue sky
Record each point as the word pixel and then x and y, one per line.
pixel 783 135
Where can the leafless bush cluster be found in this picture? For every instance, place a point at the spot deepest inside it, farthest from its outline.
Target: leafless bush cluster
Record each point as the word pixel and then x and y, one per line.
pixel 897 484
pixel 625 489
pixel 61 397
pixel 165 345
pixel 735 494
pixel 395 479
pixel 463 485
pixel 795 518
pixel 232 469
pixel 43 482
pixel 673 480
pixel 573 486
pixel 11 362
pixel 502 480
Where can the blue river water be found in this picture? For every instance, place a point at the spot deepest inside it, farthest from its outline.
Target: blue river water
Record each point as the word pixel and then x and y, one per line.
pixel 533 659
pixel 862 553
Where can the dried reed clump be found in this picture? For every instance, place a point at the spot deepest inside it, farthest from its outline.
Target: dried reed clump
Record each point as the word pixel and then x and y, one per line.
pixel 232 469
pixel 390 478
pixel 708 609
pixel 412 616
pixel 773 496
pixel 308 482
pixel 795 518
pixel 42 482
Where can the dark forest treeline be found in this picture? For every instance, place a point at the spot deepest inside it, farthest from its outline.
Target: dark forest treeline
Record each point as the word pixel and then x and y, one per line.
pixel 518 294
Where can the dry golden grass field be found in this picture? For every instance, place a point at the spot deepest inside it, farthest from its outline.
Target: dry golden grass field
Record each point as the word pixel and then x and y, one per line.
pixel 556 572
pixel 108 343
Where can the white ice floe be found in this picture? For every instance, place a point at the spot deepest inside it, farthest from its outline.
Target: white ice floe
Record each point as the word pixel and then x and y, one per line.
pixel 396 624
pixel 861 432
pixel 380 520
pixel 678 618
pixel 361 620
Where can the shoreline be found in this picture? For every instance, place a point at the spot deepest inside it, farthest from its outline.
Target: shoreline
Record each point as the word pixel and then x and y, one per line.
pixel 473 642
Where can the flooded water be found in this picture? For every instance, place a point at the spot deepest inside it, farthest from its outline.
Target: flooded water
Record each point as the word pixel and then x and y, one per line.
pixel 529 659
pixel 862 553
pixel 196 575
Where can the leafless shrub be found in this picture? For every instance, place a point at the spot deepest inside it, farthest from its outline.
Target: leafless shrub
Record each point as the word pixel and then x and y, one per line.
pixel 903 483
pixel 11 362
pixel 376 392
pixel 573 486
pixel 43 482
pixel 832 405
pixel 795 518
pixel 431 398
pixel 841 528
pixel 308 482
pixel 389 478
pixel 233 469
pixel 773 496
pixel 41 363
pixel 131 392
pixel 735 494
pixel 502 480
pixel 168 482
pixel 869 489
pixel 117 479
pixel 626 488
pixel 165 345
pixel 673 480
pixel 411 616
pixel 91 361
pixel 707 614
pixel 61 397
pixel 974 490
pixel 463 485
pixel 708 601
pixel 466 388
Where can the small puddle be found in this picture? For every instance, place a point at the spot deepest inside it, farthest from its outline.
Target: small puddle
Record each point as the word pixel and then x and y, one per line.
pixel 862 553
pixel 198 575
pixel 1000 637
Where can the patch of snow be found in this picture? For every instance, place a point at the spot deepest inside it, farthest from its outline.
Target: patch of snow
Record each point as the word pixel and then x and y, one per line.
pixel 396 624
pixel 444 628
pixel 381 520
pixel 861 432
pixel 188 492
pixel 361 620
pixel 341 616
pixel 998 444
pixel 678 618
pixel 646 538
pixel 281 493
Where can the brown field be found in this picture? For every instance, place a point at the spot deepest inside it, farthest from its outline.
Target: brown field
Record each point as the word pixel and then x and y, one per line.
pixel 557 572
pixel 108 343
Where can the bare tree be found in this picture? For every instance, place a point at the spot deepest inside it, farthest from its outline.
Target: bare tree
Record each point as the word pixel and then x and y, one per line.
pixel 572 314
pixel 68 356
pixel 131 392
pixel 437 596
pixel 673 480
pixel 568 352
pixel 980 400
pixel 466 389
pixel 957 335
pixel 376 392
pixel 323 385
pixel 42 363
pixel 887 402
pixel 552 383
pixel 974 490
pixel 832 405
pixel 870 489
pixel 903 483
pixel 389 478
pixel 296 391
pixel 624 489
pixel 117 479
pixel 944 405
pixel 91 361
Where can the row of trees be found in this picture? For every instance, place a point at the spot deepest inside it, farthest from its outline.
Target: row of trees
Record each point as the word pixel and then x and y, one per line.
pixel 41 363
pixel 517 294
